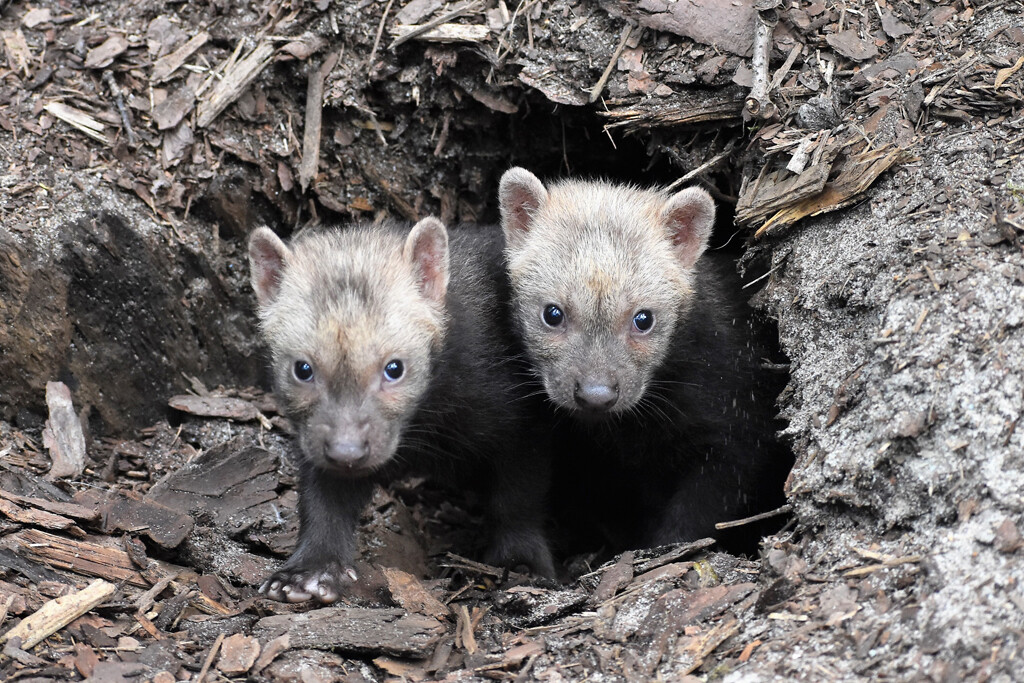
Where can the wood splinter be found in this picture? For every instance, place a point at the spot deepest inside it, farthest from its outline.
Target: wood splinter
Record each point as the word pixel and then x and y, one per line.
pixel 759 103
pixel 58 613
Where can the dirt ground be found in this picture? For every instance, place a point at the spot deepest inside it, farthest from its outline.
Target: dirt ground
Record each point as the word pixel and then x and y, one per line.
pixel 877 211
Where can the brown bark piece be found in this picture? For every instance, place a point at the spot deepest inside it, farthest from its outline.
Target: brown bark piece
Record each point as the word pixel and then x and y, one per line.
pixel 404 670
pixel 411 594
pixel 613 579
pixel 224 482
pixel 47 520
pixel 358 630
pixel 417 10
pixel 58 613
pixel 270 652
pixel 173 110
pixel 727 25
pixel 63 436
pixel 73 510
pixel 857 176
pixel 18 53
pixel 82 557
pixel 1008 537
pixel 122 511
pixel 164 67
pixel 780 189
pixel 85 659
pixel 690 651
pixel 215 406
pixel 238 653
pixel 105 53
pixel 850 45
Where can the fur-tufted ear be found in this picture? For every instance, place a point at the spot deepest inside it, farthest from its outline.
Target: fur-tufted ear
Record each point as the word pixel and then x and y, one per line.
pixel 267 258
pixel 520 195
pixel 689 215
pixel 426 249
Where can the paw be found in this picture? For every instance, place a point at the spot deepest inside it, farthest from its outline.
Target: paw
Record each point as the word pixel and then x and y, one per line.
pixel 522 548
pixel 298 584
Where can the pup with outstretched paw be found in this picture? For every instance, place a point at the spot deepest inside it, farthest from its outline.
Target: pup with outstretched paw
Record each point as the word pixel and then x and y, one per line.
pixel 391 355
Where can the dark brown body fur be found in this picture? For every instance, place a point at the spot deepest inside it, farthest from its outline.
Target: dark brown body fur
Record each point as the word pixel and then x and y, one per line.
pixel 666 418
pixel 468 423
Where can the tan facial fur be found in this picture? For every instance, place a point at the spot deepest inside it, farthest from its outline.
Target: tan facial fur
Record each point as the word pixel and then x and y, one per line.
pixel 601 253
pixel 347 302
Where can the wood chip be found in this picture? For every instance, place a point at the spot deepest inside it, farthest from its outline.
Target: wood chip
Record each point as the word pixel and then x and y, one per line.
pixel 1004 74
pixel 850 45
pixel 417 10
pixel 238 653
pixel 165 67
pixel 444 33
pixel 411 594
pixel 18 54
pixel 728 26
pixel 358 630
pixel 72 510
pixel 174 108
pixel 83 557
pixel 270 652
pixel 47 520
pixel 856 177
pixel 36 16
pixel 314 114
pixel 58 613
pixel 613 579
pixel 223 483
pixel 103 55
pixel 85 659
pixel 417 31
pixel 77 118
pixel 63 436
pixel 125 511
pixel 237 77
pixel 209 658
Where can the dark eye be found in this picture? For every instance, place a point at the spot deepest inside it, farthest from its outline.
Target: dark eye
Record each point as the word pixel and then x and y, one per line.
pixel 394 370
pixel 553 316
pixel 303 371
pixel 643 321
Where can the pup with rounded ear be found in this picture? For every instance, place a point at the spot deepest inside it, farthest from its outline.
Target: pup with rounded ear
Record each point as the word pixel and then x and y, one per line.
pixel 689 216
pixel 267 258
pixel 520 196
pixel 622 315
pixel 426 249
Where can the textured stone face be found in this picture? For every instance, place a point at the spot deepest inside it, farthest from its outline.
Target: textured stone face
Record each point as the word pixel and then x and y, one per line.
pixel 107 306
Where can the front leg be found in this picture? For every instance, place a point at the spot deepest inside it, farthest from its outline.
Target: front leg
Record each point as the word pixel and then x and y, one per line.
pixel 517 507
pixel 321 566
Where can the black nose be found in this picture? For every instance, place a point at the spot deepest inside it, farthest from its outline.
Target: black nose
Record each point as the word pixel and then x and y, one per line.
pixel 596 395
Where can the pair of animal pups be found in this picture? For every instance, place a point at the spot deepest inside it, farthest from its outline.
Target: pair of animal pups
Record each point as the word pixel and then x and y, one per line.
pixel 395 350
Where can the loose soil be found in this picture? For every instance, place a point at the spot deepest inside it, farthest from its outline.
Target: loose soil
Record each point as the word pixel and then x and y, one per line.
pixel 877 214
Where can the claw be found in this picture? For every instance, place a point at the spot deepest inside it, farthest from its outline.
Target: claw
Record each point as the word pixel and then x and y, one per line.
pixel 323 584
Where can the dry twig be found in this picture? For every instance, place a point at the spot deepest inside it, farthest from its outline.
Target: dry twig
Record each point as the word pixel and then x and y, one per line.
pixel 58 613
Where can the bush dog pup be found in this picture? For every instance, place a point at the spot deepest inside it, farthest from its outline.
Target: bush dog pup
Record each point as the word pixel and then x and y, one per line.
pixel 635 338
pixel 390 354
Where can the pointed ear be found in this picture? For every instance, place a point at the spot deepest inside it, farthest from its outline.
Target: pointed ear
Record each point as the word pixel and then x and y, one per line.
pixel 267 258
pixel 426 249
pixel 520 195
pixel 689 215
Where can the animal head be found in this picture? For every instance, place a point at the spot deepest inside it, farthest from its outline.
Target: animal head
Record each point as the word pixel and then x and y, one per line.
pixel 353 319
pixel 602 276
